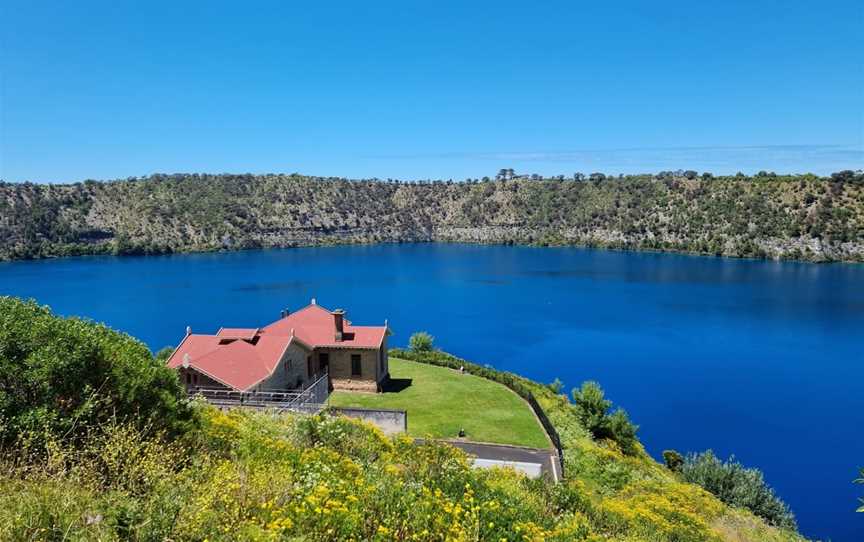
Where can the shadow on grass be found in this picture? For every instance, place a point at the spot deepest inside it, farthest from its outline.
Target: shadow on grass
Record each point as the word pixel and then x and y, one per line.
pixel 395 385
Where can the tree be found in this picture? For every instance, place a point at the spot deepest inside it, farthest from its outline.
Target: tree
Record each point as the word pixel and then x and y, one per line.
pixel 163 354
pixel 505 174
pixel 848 176
pixel 556 386
pixel 592 409
pixel 597 177
pixel 690 174
pixel 591 406
pixel 421 342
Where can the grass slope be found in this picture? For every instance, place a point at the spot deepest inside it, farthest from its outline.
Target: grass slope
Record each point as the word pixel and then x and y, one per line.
pixel 439 401
pixel 241 475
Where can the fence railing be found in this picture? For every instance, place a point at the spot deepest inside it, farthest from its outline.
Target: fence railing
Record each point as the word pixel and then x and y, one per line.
pixel 312 398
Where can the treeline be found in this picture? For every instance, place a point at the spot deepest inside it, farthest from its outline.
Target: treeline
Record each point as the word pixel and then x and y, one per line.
pixel 764 216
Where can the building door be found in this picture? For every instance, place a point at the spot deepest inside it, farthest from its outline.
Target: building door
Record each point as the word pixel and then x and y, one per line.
pixel 356 365
pixel 324 362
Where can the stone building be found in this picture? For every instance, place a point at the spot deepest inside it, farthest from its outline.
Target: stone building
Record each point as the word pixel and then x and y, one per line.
pixel 287 354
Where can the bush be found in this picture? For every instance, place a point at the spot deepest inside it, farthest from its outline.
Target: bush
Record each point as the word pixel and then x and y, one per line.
pixel 592 409
pixel 738 486
pixel 61 377
pixel 163 354
pixel 421 342
pixel 674 461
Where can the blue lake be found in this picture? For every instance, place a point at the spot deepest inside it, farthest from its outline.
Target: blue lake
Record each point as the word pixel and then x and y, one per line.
pixel 761 359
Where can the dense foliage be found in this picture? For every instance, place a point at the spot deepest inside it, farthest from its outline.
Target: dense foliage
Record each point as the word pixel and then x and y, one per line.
pixel 737 485
pixel 421 342
pixel 257 476
pixel 673 460
pixel 245 476
pixel 793 216
pixel 60 378
pixel 592 408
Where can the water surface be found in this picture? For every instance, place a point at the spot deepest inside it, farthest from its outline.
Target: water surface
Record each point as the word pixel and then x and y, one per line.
pixel 761 359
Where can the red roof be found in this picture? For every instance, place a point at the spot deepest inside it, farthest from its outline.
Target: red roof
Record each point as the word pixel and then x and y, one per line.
pixel 240 358
pixel 315 326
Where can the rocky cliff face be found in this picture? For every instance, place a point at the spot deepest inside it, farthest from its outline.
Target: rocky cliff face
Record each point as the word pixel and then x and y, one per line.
pixel 802 217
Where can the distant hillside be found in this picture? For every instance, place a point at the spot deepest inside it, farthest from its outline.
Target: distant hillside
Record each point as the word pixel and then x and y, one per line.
pixel 800 217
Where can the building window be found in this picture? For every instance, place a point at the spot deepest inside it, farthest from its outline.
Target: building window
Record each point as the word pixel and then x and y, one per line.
pixel 356 366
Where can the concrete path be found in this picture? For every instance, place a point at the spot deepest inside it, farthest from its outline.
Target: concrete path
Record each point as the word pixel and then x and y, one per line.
pixel 532 461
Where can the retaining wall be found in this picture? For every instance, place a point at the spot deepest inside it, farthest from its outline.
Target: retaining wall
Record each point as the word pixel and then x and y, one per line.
pixel 391 422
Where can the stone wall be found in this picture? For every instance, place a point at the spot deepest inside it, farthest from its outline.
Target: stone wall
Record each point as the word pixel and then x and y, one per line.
pixel 348 384
pixel 340 363
pixel 290 373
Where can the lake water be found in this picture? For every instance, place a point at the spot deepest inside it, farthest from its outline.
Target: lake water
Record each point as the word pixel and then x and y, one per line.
pixel 761 359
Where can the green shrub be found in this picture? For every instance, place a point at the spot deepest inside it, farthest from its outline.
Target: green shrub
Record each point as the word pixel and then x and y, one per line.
pixel 421 342
pixel 737 485
pixel 674 461
pixel 163 354
pixel 62 377
pixel 592 409
pixel 556 386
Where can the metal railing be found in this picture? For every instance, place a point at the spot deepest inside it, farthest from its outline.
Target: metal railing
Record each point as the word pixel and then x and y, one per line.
pixel 312 398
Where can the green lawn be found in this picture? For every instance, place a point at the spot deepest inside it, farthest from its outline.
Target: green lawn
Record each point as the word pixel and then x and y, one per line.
pixel 439 401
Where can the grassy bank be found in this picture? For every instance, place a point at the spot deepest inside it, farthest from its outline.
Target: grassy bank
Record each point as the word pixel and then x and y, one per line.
pixel 97 442
pixel 440 401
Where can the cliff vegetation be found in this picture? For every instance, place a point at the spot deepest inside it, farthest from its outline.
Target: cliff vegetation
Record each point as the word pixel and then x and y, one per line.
pixel 765 216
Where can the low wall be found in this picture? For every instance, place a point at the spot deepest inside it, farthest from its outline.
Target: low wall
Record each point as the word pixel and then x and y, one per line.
pixel 391 422
pixel 348 384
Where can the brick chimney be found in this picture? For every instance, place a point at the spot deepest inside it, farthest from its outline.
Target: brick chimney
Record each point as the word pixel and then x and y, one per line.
pixel 339 321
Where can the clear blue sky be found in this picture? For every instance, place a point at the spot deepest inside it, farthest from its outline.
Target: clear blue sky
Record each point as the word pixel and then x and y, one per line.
pixel 428 90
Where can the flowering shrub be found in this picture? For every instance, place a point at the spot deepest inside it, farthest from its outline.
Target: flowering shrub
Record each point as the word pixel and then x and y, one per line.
pixel 201 474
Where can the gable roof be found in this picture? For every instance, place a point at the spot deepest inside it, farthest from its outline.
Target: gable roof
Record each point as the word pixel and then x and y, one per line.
pixel 315 326
pixel 241 358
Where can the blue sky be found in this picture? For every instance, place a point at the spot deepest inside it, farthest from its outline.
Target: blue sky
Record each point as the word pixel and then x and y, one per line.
pixel 428 89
